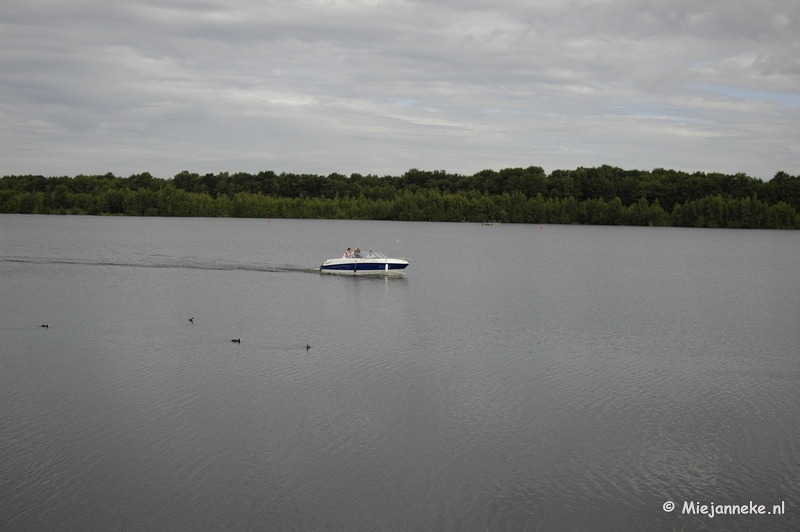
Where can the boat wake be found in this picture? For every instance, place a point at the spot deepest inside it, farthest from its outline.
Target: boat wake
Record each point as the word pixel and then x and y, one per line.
pixel 166 262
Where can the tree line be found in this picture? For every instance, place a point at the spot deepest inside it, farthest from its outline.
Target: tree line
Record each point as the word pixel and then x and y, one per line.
pixel 600 196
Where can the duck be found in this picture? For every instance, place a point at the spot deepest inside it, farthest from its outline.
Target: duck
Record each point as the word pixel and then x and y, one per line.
pixel 308 347
pixel 191 319
pixel 46 326
pixel 237 340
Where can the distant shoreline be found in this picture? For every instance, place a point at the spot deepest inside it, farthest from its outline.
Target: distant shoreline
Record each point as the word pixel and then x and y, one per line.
pixel 587 196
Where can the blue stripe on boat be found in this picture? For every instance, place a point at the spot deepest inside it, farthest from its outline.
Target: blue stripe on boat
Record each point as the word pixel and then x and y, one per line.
pixel 364 267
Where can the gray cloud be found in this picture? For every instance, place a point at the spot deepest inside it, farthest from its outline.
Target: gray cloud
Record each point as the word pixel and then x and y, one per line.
pixel 383 86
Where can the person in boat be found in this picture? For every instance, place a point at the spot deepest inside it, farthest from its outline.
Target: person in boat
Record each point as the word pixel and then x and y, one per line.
pixel 346 254
pixel 357 253
pixel 370 255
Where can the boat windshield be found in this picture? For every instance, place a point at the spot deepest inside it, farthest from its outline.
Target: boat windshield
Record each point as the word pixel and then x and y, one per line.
pixel 369 255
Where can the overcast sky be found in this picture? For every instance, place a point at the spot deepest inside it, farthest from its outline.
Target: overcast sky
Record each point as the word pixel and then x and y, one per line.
pixel 379 87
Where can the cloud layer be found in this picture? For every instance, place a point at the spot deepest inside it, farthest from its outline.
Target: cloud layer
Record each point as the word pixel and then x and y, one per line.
pixel 378 86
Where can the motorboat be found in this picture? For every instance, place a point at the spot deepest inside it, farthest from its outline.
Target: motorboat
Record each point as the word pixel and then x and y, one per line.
pixel 369 263
pixel 492 223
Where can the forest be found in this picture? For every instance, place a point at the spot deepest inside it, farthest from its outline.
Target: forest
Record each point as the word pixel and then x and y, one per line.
pixel 602 195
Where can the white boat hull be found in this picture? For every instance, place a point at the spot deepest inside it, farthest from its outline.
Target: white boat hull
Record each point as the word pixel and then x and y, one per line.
pixel 364 266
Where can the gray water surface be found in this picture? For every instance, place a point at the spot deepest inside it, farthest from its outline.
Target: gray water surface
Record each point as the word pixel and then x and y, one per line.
pixel 561 377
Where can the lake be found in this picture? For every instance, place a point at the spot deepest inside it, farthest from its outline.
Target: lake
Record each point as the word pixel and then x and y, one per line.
pixel 518 378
